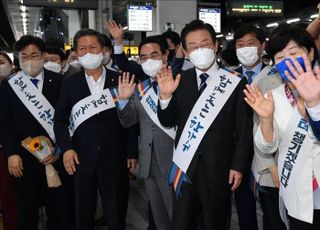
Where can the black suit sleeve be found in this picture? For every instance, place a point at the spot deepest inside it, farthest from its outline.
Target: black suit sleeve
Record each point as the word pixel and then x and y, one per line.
pixel 128 66
pixel 168 116
pixel 9 138
pixel 61 118
pixel 132 142
pixel 242 157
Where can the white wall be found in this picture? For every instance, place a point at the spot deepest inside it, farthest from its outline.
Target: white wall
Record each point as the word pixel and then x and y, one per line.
pixel 179 12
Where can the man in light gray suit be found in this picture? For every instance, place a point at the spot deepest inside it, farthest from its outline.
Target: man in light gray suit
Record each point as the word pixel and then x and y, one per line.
pixel 156 146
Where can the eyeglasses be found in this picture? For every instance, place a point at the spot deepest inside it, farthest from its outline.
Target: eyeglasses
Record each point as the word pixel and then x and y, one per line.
pixel 155 56
pixel 193 47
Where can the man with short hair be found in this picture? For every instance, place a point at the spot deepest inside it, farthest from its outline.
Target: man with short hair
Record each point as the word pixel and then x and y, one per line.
pixel 96 147
pixel 214 135
pixel 30 114
pixel 156 144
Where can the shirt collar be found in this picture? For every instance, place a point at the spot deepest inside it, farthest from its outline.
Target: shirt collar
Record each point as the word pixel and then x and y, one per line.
pixel 39 77
pixel 256 69
pixel 210 71
pixel 101 78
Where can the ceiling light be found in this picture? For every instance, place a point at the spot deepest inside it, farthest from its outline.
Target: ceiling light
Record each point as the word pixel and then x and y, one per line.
pixel 293 20
pixel 275 24
pixel 314 16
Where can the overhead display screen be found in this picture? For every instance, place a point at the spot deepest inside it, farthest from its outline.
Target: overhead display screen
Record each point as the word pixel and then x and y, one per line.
pixel 140 18
pixel 211 16
pixel 255 8
pixel 75 4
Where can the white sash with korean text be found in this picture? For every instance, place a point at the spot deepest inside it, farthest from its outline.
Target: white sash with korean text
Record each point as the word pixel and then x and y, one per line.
pixel 294 148
pixel 204 112
pixel 89 107
pixel 34 101
pixel 264 72
pixel 150 104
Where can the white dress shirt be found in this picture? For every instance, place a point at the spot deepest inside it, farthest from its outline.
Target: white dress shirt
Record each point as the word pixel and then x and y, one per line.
pixel 256 70
pixel 164 103
pixel 303 196
pixel 96 86
pixel 40 78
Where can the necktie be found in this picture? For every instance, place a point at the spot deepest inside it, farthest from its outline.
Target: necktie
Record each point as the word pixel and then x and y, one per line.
pixel 155 86
pixel 35 82
pixel 249 75
pixel 203 83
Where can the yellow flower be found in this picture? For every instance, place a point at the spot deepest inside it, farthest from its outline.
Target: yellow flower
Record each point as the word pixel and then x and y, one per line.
pixel 35 145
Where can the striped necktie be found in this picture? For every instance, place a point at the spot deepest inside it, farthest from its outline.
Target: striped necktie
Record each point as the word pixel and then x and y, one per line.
pixel 203 83
pixel 249 75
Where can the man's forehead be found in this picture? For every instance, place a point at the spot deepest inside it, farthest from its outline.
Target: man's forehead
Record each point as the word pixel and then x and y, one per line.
pixel 150 48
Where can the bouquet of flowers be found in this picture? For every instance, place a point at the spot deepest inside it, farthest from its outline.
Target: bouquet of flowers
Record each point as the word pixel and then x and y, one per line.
pixel 41 147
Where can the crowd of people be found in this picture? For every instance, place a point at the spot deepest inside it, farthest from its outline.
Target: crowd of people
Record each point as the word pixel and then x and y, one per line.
pixel 202 125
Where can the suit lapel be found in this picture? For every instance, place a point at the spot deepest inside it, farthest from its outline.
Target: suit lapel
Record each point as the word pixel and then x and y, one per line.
pixel 47 84
pixel 192 86
pixel 109 80
pixel 83 85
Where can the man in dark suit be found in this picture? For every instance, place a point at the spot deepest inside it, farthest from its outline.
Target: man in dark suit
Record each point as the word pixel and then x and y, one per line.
pixel 130 66
pixel 96 153
pixel 224 152
pixel 249 43
pixel 18 123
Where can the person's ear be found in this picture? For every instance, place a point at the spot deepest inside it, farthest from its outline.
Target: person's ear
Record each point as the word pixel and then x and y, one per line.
pixel 165 57
pixel 310 55
pixel 215 46
pixel 262 48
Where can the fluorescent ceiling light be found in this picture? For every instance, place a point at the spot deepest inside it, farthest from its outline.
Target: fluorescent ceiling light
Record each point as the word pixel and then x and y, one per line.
pixel 219 36
pixel 314 16
pixel 293 20
pixel 275 24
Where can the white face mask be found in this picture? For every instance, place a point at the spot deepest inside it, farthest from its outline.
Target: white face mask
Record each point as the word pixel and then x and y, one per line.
pixel 91 61
pixel 5 70
pixel 52 66
pixel 151 67
pixel 32 68
pixel 248 56
pixel 76 64
pixel 202 58
pixel 106 58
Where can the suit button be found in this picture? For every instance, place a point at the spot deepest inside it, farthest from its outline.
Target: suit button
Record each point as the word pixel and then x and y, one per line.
pixel 99 149
pixel 149 144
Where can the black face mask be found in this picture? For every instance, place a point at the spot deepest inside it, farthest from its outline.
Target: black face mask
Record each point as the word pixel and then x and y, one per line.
pixel 172 54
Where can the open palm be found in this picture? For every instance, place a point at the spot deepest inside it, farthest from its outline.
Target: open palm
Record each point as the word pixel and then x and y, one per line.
pixel 167 85
pixel 306 81
pixel 263 106
pixel 126 86
pixel 114 29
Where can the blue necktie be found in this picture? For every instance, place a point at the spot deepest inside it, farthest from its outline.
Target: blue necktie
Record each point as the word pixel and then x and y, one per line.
pixel 154 86
pixel 203 83
pixel 35 82
pixel 249 75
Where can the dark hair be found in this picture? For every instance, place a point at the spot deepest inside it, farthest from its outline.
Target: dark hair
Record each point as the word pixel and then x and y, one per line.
pixel 283 34
pixel 229 56
pixel 58 51
pixel 87 32
pixel 157 39
pixel 6 56
pixel 26 40
pixel 107 41
pixel 194 26
pixel 250 29
pixel 173 36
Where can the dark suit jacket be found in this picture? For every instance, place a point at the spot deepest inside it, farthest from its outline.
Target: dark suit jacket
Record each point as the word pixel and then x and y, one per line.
pixel 239 70
pixel 227 143
pixel 100 134
pixel 17 123
pixel 134 68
